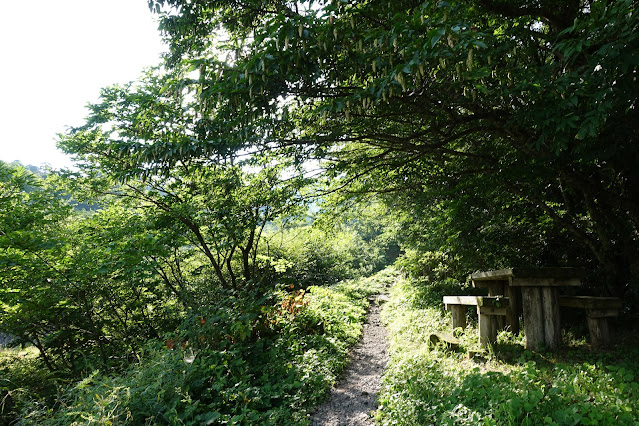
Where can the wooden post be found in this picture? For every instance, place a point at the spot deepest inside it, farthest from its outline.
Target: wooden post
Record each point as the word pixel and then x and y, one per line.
pixel 512 316
pixel 487 329
pixel 448 340
pixel 497 288
pixel 599 331
pixel 598 325
pixel 459 316
pixel 598 310
pixel 533 319
pixel 550 314
pixel 489 309
pixel 488 324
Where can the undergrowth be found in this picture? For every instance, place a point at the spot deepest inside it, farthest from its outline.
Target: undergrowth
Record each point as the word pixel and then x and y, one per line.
pixel 504 386
pixel 266 364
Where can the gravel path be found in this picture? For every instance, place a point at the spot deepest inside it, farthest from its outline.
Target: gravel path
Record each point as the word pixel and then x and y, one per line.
pixel 354 399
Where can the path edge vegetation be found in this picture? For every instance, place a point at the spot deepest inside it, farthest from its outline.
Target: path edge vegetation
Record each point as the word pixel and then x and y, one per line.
pixel 275 381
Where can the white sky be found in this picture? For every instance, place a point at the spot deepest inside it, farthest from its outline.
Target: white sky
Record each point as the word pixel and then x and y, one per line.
pixel 55 57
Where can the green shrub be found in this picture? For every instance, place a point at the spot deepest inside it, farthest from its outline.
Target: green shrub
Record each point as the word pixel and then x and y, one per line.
pixel 325 254
pixel 313 257
pixel 247 360
pixel 23 377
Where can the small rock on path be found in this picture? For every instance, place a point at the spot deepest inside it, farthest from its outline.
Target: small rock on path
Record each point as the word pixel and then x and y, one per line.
pixel 354 399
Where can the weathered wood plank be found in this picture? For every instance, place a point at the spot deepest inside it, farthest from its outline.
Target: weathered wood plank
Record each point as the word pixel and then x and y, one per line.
pixel 501 274
pixel 512 317
pixel 551 316
pixel 496 301
pixel 460 300
pixel 557 273
pixel 458 313
pixel 495 287
pixel 599 331
pixel 545 282
pixel 500 321
pixel 492 311
pixel 533 319
pixel 447 339
pixel 487 329
pixel 590 302
pixel 602 313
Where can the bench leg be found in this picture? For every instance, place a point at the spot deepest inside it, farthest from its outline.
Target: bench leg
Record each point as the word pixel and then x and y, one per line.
pixel 487 329
pixel 599 331
pixel 512 316
pixel 533 317
pixel 459 316
pixel 598 325
pixel 541 317
pixel 552 323
pixel 498 288
pixel 500 323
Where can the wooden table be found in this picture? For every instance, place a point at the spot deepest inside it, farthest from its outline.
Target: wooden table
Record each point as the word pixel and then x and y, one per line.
pixel 533 292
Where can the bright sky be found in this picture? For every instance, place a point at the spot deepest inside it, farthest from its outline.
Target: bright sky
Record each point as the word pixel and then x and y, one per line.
pixel 56 55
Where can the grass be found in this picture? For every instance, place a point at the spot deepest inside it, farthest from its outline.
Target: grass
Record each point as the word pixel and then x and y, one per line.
pixel 23 375
pixel 504 386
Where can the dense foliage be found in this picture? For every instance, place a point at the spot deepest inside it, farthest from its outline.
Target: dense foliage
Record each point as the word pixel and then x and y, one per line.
pixel 226 365
pixel 499 118
pixel 125 302
pixel 355 243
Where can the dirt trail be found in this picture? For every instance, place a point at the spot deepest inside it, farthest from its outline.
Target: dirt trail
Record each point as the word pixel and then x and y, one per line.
pixel 354 399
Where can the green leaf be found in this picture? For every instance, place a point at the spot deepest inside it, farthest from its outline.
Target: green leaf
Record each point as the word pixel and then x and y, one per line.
pixel 480 43
pixel 435 35
pixel 209 418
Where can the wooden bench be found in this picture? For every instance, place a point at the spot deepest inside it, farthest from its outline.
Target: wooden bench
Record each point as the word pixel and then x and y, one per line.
pixel 489 308
pixel 598 310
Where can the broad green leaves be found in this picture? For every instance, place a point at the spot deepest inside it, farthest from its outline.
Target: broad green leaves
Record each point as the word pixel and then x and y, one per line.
pixel 524 97
pixel 82 290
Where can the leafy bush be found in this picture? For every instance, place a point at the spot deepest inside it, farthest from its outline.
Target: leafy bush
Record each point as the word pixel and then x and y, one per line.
pixel 432 265
pixel 83 289
pixel 314 257
pixel 23 376
pixel 247 360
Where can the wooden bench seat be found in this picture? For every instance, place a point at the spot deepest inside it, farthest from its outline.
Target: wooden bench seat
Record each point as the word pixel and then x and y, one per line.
pixel 489 308
pixel 598 310
pixel 487 301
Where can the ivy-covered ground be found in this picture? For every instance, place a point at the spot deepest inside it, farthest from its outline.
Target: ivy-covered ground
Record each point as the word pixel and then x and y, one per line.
pixel 505 386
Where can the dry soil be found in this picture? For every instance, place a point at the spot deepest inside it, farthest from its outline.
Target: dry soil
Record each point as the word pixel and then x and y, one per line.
pixel 353 400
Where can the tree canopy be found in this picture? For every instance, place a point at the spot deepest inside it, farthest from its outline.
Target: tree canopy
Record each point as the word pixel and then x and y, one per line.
pixel 524 110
